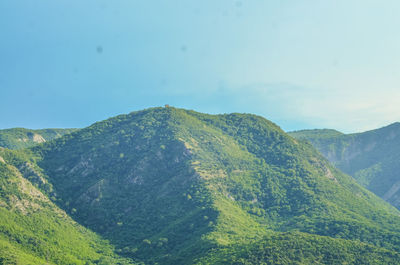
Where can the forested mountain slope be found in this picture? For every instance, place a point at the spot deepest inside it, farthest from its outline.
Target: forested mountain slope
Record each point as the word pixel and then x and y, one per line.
pixel 372 157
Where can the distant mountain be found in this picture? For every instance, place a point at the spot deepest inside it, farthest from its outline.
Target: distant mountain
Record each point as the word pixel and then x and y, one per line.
pixel 316 134
pixel 372 157
pixel 18 138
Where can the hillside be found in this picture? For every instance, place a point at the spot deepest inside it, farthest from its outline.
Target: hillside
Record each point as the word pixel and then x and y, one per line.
pixel 33 230
pixel 372 158
pixel 18 138
pixel 171 186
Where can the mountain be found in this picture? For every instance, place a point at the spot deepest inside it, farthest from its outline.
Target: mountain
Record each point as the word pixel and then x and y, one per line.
pixel 173 186
pixel 18 138
pixel 372 157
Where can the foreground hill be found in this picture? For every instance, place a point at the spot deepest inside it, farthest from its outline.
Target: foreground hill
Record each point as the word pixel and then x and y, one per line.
pixel 372 158
pixel 33 230
pixel 18 138
pixel 171 186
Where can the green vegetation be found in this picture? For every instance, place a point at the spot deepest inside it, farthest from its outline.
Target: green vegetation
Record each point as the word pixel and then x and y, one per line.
pixel 18 138
pixel 172 186
pixel 300 248
pixel 372 157
pixel 167 186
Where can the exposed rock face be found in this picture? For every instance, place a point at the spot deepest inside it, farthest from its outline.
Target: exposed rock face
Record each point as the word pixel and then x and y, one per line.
pixel 37 138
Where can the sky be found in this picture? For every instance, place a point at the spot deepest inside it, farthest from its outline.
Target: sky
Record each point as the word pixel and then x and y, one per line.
pixel 302 64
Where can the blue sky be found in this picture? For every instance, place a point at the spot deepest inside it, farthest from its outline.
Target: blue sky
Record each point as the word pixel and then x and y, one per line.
pixel 300 63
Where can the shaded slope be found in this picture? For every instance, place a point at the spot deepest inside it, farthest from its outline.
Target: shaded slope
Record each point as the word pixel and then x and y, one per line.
pixel 35 231
pixel 372 158
pixel 168 185
pixel 18 138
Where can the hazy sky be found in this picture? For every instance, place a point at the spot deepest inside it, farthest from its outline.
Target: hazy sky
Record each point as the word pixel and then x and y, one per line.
pixel 301 64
